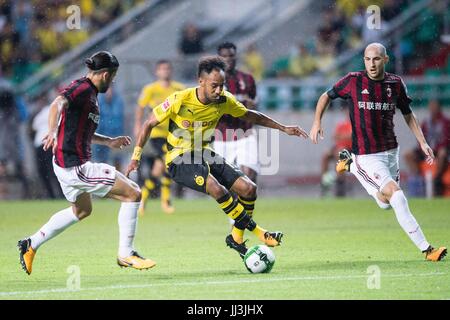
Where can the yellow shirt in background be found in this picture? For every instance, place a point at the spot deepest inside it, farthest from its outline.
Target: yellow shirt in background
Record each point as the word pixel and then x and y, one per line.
pixel 153 95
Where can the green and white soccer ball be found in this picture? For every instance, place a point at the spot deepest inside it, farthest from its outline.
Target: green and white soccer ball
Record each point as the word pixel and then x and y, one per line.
pixel 259 259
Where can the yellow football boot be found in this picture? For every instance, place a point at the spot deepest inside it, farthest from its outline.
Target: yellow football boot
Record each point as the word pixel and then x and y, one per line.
pixel 435 254
pixel 345 159
pixel 135 261
pixel 26 255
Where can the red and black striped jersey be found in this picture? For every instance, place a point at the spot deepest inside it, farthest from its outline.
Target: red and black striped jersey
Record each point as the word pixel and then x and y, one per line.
pixel 372 105
pixel 78 123
pixel 241 85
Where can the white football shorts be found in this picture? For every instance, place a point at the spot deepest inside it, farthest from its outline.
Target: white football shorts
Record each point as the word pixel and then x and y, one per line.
pixel 374 171
pixel 242 152
pixel 94 178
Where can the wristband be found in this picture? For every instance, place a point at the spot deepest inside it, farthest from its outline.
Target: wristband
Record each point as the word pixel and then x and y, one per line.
pixel 137 153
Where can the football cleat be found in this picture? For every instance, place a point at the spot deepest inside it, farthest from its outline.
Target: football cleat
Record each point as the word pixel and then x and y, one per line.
pixel 432 254
pixel 26 255
pixel 239 247
pixel 345 159
pixel 273 239
pixel 135 261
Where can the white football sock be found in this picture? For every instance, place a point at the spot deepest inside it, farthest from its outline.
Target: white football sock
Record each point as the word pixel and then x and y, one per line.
pixel 59 222
pixel 407 221
pixel 381 204
pixel 127 227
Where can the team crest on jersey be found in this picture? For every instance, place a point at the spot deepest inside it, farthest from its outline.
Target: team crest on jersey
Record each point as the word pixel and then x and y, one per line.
pixel 377 176
pixel 389 91
pixel 106 171
pixel 199 180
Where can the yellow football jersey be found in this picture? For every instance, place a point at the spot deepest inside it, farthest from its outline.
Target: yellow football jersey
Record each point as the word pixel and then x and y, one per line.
pixel 191 123
pixel 153 95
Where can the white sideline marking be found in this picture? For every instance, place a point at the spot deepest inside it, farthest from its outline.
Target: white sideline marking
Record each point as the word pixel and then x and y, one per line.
pixel 203 283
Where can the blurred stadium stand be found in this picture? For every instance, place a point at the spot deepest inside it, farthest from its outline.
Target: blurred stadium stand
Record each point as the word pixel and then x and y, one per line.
pixel 144 31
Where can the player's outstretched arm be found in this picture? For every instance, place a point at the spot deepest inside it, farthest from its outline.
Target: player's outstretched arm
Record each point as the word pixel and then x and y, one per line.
pixel 138 116
pixel 114 143
pixel 413 124
pixel 56 108
pixel 261 119
pixel 143 135
pixel 316 129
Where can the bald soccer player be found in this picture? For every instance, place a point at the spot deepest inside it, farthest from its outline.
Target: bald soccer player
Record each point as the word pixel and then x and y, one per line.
pixel 373 96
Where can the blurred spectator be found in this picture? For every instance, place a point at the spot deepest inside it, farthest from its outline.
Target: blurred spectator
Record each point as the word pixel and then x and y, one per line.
pixel 301 62
pixel 37 29
pixel 37 129
pixel 111 124
pixel 191 41
pixel 253 62
pixel 12 111
pixel 436 130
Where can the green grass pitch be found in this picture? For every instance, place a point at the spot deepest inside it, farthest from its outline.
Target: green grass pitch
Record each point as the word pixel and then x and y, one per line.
pixel 330 251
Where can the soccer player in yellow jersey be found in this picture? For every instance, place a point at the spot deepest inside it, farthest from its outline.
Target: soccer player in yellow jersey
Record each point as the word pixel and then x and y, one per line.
pixel 193 115
pixel 152 95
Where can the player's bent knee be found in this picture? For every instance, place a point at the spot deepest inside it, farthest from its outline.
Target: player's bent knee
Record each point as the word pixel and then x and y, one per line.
pixel 215 189
pixel 389 189
pixel 135 195
pixel 249 191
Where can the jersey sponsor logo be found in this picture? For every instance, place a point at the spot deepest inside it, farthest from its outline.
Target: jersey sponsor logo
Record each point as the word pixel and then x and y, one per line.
pixel 203 123
pixel 166 105
pixel 196 124
pixel 365 91
pixel 94 117
pixel 376 106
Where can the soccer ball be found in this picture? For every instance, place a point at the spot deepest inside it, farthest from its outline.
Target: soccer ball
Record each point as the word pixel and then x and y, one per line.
pixel 259 259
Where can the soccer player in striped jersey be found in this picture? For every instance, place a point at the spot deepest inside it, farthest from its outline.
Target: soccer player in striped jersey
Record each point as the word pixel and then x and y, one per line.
pixel 193 115
pixel 373 96
pixel 73 118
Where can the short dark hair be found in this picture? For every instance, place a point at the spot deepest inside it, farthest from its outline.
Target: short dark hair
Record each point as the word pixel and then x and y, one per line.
pixel 226 45
pixel 163 61
pixel 102 60
pixel 210 63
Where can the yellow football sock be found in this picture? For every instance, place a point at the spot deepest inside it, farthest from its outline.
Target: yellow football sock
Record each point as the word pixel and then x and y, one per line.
pixel 145 194
pixel 165 189
pixel 259 232
pixel 149 184
pixel 238 235
pixel 248 204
